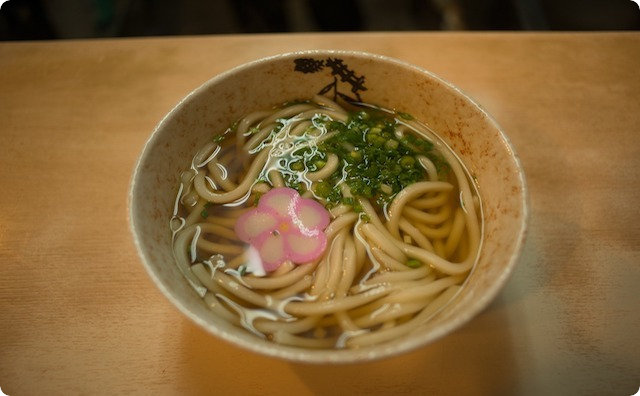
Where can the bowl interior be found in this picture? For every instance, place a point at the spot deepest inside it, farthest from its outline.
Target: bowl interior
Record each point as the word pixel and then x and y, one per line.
pixel 461 123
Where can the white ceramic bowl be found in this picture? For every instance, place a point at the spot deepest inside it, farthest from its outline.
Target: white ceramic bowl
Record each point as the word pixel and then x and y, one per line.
pixel 462 123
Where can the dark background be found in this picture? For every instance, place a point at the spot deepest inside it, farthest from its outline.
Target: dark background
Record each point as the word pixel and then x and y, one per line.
pixel 73 19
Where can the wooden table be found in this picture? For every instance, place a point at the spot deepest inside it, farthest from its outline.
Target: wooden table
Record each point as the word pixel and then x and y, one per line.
pixel 80 316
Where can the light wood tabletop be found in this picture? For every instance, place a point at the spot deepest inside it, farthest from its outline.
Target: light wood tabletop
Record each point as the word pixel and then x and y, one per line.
pixel 80 316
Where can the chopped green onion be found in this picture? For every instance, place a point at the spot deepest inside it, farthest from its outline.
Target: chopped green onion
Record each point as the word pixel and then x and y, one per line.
pixel 407 162
pixel 413 263
pixel 348 201
pixel 405 116
pixel 323 189
pixel 297 166
pixel 391 144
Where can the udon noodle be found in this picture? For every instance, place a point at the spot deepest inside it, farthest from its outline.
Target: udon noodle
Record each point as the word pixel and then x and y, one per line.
pixel 404 224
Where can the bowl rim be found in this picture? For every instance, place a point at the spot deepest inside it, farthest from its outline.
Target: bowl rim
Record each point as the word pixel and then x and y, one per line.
pixel 375 352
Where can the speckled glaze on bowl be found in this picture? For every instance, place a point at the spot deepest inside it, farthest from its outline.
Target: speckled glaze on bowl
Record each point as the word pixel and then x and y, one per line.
pixel 463 124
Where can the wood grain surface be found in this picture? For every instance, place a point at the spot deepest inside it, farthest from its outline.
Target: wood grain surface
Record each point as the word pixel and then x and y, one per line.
pixel 79 316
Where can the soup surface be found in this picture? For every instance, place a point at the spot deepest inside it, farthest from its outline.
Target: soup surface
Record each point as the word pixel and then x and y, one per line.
pixel 326 225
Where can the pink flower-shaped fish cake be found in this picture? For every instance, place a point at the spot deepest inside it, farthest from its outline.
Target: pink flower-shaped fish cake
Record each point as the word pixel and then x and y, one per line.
pixel 284 226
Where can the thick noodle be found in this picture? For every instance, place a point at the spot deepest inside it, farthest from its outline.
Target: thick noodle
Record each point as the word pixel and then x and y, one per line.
pixel 362 290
